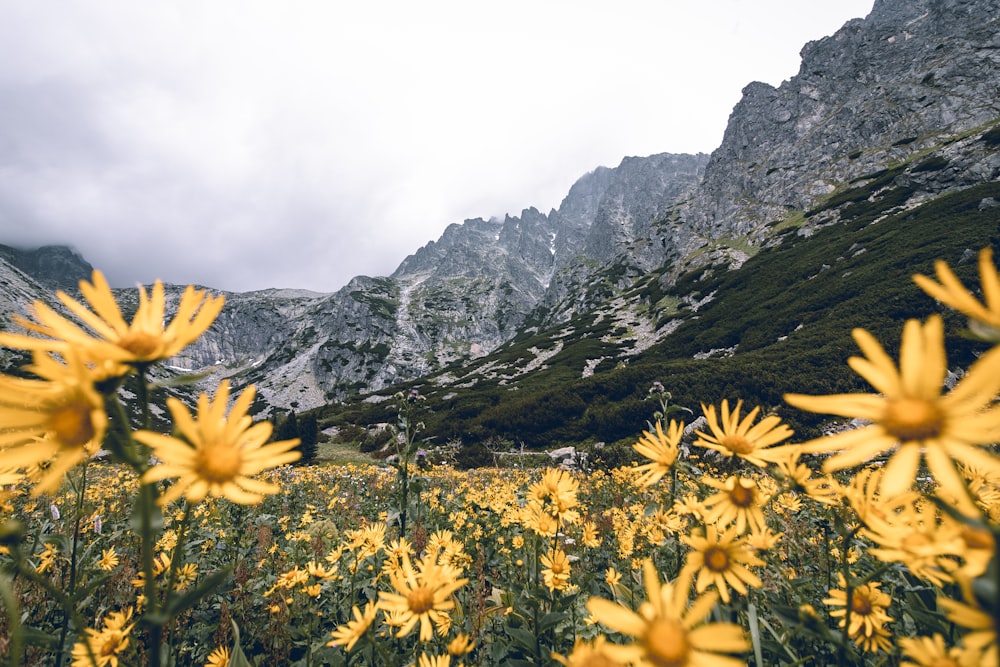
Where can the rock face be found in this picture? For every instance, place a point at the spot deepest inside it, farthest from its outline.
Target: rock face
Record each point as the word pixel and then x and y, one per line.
pixel 911 75
pixel 908 96
pixel 56 267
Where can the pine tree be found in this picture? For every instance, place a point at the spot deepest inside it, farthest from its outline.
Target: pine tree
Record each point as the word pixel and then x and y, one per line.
pixel 309 435
pixel 288 428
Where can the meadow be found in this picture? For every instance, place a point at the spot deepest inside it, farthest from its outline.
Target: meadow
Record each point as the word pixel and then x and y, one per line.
pixel 731 544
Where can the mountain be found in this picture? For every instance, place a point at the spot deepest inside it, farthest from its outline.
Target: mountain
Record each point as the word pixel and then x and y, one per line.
pixel 890 121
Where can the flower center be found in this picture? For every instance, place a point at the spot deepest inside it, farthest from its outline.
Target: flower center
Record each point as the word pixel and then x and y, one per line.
pixel 716 559
pixel 667 643
pixel 742 496
pixel 112 644
pixel 220 462
pixel 912 419
pixel 72 425
pixel 420 600
pixel 860 603
pixel 142 344
pixel 975 538
pixel 737 444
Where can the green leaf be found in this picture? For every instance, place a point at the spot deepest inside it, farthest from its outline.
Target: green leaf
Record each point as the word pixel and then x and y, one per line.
pixel 237 658
pixel 550 620
pixel 523 638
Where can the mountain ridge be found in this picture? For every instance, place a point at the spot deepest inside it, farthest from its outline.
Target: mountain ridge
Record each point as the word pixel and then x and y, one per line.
pixel 892 110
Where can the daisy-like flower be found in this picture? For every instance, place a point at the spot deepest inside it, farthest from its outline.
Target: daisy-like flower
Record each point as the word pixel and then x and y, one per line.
pixel 217 455
pixel 797 476
pixel 661 449
pixel 108 560
pixel 557 569
pixel 534 517
pixel 218 658
pixel 933 652
pixel 53 423
pixel 106 644
pixel 555 494
pixel 984 318
pixel 868 610
pixel 423 595
pixel 144 341
pixel 667 631
pixel 721 560
pixel 738 501
pixel 921 537
pixel 591 538
pixel 735 437
pixel 981 624
pixel 461 645
pixel 589 654
pixel 911 418
pixel 426 660
pixel 347 635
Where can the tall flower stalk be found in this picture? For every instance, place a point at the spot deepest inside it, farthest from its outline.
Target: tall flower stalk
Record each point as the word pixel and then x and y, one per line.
pixel 59 418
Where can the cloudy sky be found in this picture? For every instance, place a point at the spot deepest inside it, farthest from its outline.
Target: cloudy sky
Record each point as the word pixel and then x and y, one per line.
pixel 244 145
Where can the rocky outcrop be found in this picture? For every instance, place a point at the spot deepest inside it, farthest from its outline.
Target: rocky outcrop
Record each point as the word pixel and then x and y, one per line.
pixel 881 90
pixel 906 99
pixel 54 266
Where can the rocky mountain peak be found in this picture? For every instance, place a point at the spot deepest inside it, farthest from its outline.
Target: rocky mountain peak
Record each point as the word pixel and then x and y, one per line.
pixel 53 266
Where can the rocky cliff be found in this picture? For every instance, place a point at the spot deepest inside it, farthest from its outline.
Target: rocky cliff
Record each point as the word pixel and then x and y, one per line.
pixel 905 101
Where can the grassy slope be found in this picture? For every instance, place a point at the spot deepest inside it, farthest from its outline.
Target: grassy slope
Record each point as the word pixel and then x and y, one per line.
pixel 789 310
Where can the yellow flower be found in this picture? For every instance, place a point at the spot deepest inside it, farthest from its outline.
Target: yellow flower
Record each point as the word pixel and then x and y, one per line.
pixel 932 652
pixel 612 576
pixel 721 559
pixel 983 626
pixel 144 341
pixel 434 660
pixel 911 417
pixel 460 645
pixel 106 644
pixel 534 517
pixel 591 538
pixel 557 569
pixel 354 630
pixel 218 658
pixel 422 595
pixel 218 454
pixel 53 423
pixel 927 541
pixel 732 436
pixel 764 540
pixel 555 494
pixel 108 560
pixel 661 448
pixel 738 501
pixel 667 630
pixel 798 476
pixel 984 320
pixel 868 611
pixel 589 654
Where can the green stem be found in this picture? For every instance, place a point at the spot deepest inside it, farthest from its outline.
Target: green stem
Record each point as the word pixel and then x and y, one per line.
pixel 177 558
pixel 63 600
pixel 16 646
pixel 147 501
pixel 80 497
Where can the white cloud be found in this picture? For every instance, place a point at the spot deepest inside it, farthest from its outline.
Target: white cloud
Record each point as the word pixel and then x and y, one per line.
pixel 244 145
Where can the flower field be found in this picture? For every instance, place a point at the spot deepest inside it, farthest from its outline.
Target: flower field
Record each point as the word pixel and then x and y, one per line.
pixel 731 544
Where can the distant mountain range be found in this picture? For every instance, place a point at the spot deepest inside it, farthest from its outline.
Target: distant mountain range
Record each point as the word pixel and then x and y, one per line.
pixel 893 115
